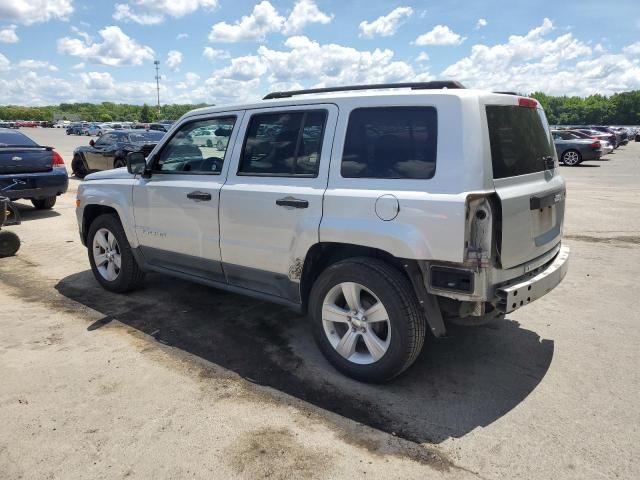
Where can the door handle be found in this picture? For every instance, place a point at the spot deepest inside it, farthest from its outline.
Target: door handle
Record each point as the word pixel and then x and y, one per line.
pixel 292 202
pixel 203 196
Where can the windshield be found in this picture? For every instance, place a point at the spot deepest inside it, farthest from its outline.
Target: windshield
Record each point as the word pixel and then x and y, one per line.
pixel 520 140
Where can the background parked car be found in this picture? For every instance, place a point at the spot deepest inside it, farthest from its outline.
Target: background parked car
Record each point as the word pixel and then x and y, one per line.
pixel 30 171
pixel 204 137
pixel 572 151
pixel 111 149
pixel 606 147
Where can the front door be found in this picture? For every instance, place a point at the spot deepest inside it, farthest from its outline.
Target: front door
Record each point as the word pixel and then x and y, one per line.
pixel 271 204
pixel 98 156
pixel 176 208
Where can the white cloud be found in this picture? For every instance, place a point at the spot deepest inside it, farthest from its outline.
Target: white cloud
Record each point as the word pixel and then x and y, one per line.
pixel 423 57
pixel 440 35
pixel 35 11
pixel 304 12
pixel 557 66
pixel 265 19
pixel 214 54
pixel 386 25
pixel 174 59
pixel 244 68
pixel 153 12
pixel 116 48
pixel 30 64
pixel 78 66
pixel 481 23
pixel 331 64
pixel 97 80
pixel 8 34
pixel 633 49
pixel 4 63
pixel 182 36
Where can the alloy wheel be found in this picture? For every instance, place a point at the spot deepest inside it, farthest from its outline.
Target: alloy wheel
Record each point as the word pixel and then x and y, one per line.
pixel 356 323
pixel 571 158
pixel 106 254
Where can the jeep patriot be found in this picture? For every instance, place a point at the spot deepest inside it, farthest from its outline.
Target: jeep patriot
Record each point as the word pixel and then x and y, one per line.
pixel 381 211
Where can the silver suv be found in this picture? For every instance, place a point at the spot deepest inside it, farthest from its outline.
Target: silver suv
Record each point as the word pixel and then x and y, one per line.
pixel 381 211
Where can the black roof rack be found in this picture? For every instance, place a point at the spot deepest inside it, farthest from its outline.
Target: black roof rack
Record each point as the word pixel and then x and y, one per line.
pixel 376 86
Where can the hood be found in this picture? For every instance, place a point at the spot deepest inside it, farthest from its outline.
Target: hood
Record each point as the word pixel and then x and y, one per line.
pixel 114 174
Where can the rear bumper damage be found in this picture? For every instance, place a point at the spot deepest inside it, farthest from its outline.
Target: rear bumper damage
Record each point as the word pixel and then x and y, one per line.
pixel 524 291
pixel 479 290
pixel 35 185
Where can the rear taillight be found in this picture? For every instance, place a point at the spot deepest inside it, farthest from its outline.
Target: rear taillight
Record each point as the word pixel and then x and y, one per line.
pixel 527 102
pixel 57 160
pixel 478 230
pixel 595 145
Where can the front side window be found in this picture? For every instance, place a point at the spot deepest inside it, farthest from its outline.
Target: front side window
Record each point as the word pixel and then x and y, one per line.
pixel 198 147
pixel 283 144
pixel 391 142
pixel 106 140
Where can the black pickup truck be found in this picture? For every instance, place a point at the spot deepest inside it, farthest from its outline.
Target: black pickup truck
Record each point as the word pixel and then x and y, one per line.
pixel 30 171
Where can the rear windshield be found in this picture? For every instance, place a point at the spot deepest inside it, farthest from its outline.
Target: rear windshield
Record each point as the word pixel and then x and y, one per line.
pixel 8 138
pixel 520 140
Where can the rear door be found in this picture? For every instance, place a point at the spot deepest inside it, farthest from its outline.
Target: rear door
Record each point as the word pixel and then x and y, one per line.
pixel 271 204
pixel 531 192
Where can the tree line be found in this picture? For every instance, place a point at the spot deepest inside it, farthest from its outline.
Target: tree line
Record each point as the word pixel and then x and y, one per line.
pixel 97 112
pixel 618 109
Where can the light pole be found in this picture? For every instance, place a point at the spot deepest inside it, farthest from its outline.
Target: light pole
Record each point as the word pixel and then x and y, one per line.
pixel 157 64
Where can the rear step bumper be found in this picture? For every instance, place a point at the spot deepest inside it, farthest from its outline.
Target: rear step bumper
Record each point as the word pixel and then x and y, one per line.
pixel 523 292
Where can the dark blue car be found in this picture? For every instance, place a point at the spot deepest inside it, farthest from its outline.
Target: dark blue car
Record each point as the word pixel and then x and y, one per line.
pixel 30 171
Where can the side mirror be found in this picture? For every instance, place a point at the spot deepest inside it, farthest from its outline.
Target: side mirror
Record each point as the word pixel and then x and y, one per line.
pixel 92 142
pixel 136 163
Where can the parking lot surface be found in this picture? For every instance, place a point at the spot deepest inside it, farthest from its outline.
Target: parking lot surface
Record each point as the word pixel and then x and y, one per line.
pixel 179 380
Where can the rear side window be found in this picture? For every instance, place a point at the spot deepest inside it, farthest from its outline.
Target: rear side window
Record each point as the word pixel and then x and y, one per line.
pixel 283 144
pixel 391 142
pixel 15 138
pixel 519 138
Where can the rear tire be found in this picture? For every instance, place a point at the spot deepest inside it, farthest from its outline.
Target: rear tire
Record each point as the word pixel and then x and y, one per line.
pixel 125 274
pixel 399 326
pixel 44 203
pixel 119 163
pixel 9 243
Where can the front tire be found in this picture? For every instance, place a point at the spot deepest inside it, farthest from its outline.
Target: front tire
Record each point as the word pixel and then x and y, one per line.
pixel 571 158
pixel 9 243
pixel 77 167
pixel 112 261
pixel 366 319
pixel 44 203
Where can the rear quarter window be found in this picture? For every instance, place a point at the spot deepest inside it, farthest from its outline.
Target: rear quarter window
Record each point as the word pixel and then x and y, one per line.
pixel 391 142
pixel 519 138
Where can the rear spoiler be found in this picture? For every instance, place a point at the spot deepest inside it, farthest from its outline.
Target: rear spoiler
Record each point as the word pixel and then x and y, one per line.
pixel 26 147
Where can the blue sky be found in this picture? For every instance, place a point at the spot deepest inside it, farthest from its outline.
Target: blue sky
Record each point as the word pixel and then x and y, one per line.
pixel 221 51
